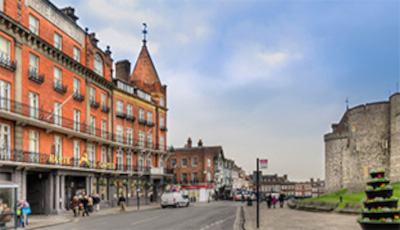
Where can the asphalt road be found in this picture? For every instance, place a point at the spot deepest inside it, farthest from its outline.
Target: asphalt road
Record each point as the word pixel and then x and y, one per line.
pixel 213 216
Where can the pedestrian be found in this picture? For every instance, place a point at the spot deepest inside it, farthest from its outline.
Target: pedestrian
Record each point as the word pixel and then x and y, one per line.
pixel 74 205
pixel 25 210
pixel 19 214
pixel 274 201
pixel 80 205
pixel 281 199
pixel 122 203
pixel 96 202
pixel 269 200
pixel 90 204
pixel 85 202
pixel 6 215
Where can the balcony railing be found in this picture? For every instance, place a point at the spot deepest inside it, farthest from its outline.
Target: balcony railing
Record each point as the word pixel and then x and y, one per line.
pixel 78 97
pixel 49 117
pixel 142 121
pixel 130 118
pixel 105 109
pixel 94 104
pixel 163 128
pixel 10 155
pixel 34 76
pixel 58 87
pixel 150 123
pixel 6 62
pixel 120 114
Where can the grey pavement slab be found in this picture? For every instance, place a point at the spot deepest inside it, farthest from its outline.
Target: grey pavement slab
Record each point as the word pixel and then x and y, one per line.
pixel 289 219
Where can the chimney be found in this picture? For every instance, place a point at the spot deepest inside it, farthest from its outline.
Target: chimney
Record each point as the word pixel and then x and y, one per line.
pixel 123 69
pixel 312 180
pixel 70 13
pixel 189 143
pixel 200 143
pixel 285 177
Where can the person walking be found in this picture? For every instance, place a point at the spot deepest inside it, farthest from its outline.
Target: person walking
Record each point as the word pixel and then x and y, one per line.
pixel 74 205
pixel 19 214
pixel 85 202
pixel 122 203
pixel 25 210
pixel 281 199
pixel 274 201
pixel 269 200
pixel 90 204
pixel 96 202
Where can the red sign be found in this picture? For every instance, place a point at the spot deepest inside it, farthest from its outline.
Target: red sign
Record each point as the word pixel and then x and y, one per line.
pixel 263 163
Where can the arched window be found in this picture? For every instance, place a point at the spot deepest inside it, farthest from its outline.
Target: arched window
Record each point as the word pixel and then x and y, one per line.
pixel 98 64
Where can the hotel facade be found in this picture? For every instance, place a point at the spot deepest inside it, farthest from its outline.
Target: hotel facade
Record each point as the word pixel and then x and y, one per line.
pixel 68 124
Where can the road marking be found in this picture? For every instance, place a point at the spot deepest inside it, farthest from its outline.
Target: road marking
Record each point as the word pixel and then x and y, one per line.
pixel 217 223
pixel 143 221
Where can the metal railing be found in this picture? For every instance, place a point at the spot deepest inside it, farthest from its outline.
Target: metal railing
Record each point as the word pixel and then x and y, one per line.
pixel 34 76
pixel 58 87
pixel 6 62
pixel 60 121
pixel 11 155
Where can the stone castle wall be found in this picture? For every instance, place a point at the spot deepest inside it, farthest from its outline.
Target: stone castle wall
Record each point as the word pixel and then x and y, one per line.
pixel 351 154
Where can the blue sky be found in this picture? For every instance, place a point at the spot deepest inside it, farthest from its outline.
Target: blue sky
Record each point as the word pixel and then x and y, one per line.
pixel 261 78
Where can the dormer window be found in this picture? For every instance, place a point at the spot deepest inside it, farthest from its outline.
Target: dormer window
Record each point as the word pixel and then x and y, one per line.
pixel 98 64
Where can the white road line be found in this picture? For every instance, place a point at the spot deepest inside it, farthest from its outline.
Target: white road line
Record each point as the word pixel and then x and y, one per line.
pixel 143 221
pixel 217 223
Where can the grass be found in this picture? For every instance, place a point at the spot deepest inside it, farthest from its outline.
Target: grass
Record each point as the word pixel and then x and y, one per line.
pixel 351 197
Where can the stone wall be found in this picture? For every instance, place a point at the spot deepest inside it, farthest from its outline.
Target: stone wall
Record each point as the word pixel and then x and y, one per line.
pixel 351 154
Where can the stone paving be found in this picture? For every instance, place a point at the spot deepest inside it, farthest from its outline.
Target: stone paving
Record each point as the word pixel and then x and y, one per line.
pixel 289 219
pixel 40 221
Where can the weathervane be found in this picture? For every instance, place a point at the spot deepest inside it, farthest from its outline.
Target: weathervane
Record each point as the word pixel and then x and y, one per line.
pixel 144 31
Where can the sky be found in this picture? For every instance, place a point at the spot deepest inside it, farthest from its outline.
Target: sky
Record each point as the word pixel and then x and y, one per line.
pixel 261 78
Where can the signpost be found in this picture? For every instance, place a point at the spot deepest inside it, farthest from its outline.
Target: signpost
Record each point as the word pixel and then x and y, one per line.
pixel 258 193
pixel 264 165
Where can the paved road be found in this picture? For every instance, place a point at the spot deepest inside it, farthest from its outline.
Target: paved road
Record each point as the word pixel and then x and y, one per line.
pixel 214 216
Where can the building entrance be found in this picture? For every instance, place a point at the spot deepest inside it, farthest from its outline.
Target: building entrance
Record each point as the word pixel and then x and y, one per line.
pixel 36 192
pixel 74 186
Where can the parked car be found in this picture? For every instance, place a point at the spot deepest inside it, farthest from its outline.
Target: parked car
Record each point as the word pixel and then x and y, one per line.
pixel 175 199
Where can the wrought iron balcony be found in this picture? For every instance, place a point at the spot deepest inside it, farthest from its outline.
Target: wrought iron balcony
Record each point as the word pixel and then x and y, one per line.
pixel 5 61
pixel 78 97
pixel 120 115
pixel 34 76
pixel 142 121
pixel 58 87
pixel 105 109
pixel 130 118
pixel 163 128
pixel 150 123
pixel 94 104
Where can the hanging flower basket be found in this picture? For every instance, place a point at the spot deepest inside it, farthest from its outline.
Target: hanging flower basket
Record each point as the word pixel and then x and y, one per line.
pixel 102 183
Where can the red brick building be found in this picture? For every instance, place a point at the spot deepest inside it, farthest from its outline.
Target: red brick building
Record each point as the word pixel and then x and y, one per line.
pixel 68 126
pixel 193 164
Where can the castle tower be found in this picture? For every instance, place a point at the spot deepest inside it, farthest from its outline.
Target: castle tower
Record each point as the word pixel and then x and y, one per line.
pixel 394 144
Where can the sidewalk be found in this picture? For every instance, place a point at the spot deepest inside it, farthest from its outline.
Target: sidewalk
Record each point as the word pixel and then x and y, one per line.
pixel 40 221
pixel 289 219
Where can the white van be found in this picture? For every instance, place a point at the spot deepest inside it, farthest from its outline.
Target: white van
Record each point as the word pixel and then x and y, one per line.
pixel 174 199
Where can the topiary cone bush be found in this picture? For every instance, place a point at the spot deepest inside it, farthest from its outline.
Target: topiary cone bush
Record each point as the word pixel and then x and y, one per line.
pixel 380 207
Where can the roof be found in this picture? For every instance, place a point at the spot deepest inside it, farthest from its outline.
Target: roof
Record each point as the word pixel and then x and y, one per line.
pixel 144 69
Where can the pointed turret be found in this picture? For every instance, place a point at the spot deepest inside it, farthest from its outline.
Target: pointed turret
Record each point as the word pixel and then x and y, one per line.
pixel 144 71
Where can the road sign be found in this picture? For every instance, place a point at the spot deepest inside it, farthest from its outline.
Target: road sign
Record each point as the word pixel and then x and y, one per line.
pixel 255 176
pixel 263 163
